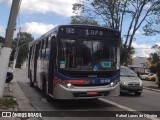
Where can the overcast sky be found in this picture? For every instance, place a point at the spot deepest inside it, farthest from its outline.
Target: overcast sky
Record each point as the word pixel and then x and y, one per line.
pixel 39 16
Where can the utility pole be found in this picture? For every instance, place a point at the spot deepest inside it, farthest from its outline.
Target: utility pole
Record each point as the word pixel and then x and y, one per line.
pixel 6 50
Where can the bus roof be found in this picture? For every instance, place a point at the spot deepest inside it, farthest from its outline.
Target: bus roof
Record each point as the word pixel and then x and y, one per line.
pixel 55 29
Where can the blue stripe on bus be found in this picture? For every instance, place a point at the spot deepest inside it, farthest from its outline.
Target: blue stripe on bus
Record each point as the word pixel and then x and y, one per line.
pixel 96 80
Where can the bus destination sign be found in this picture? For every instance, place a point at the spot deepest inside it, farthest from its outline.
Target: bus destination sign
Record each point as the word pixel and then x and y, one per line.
pixel 86 32
pixel 89 32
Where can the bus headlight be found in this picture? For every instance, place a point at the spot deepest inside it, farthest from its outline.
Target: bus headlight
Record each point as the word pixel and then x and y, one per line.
pixel 69 85
pixel 112 84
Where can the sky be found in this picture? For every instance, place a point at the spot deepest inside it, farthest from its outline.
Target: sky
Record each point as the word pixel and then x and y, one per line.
pixel 39 16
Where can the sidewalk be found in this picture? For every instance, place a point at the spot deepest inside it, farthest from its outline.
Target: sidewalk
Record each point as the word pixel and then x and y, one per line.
pixel 23 103
pixel 150 85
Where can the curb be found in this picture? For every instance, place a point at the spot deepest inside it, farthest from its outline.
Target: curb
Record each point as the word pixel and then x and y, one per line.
pixel 151 89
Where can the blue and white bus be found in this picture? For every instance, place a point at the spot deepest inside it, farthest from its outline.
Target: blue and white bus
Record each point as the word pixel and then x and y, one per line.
pixel 75 62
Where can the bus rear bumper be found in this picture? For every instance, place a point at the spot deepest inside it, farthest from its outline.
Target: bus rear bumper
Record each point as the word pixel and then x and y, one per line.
pixel 62 92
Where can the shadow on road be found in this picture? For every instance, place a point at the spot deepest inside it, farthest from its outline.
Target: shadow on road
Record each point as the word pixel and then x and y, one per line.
pixel 129 95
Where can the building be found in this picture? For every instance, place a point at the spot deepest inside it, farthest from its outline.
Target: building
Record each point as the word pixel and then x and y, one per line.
pixel 139 64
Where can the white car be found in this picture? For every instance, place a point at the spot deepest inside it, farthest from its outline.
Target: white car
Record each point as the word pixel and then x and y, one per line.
pixel 130 82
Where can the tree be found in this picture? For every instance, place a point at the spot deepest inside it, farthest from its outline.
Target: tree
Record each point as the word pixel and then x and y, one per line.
pixel 83 20
pixel 112 13
pixel 154 57
pixel 23 38
pixel 155 61
pixel 152 27
pixel 1 39
pixel 127 56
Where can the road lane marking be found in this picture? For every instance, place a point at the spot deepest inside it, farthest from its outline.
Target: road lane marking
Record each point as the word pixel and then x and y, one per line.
pixel 126 108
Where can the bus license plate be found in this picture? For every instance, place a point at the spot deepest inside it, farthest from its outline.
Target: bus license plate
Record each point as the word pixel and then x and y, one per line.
pixel 92 92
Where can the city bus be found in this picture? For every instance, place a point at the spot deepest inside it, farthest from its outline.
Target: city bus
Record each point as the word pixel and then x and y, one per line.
pixel 75 62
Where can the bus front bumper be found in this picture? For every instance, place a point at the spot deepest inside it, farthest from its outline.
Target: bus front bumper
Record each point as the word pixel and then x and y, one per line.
pixel 62 92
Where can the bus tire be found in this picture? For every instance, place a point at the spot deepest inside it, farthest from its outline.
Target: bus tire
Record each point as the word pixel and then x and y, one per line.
pixel 31 83
pixel 44 91
pixel 49 98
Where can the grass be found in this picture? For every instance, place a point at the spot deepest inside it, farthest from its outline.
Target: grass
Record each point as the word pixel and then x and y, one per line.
pixel 8 102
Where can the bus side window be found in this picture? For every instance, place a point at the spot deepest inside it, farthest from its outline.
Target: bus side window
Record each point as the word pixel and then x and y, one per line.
pixel 39 50
pixel 49 43
pixel 42 44
pixel 43 54
pixel 33 52
pixel 46 50
pixel 30 53
pixel 46 46
pixel 42 48
pixel 47 54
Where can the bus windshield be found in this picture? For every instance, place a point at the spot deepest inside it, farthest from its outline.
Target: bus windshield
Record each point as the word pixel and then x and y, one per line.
pixel 92 55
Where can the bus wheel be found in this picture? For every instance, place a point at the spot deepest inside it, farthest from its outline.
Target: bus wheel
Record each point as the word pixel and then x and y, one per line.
pixel 31 83
pixel 45 94
pixel 49 98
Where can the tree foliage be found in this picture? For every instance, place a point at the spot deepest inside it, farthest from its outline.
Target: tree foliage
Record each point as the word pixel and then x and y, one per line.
pixel 114 13
pixel 152 27
pixel 127 56
pixel 154 58
pixel 83 20
pixel 21 43
pixel 1 39
pixel 155 61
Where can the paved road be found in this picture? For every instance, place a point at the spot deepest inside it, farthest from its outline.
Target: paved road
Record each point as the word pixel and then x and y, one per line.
pixel 147 102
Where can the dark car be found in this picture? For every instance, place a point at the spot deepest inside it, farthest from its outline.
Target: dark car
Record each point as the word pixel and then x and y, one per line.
pixel 9 77
pixel 130 82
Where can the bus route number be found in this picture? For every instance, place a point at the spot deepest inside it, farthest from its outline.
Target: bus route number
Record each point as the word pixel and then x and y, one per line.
pixel 70 30
pixel 105 80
